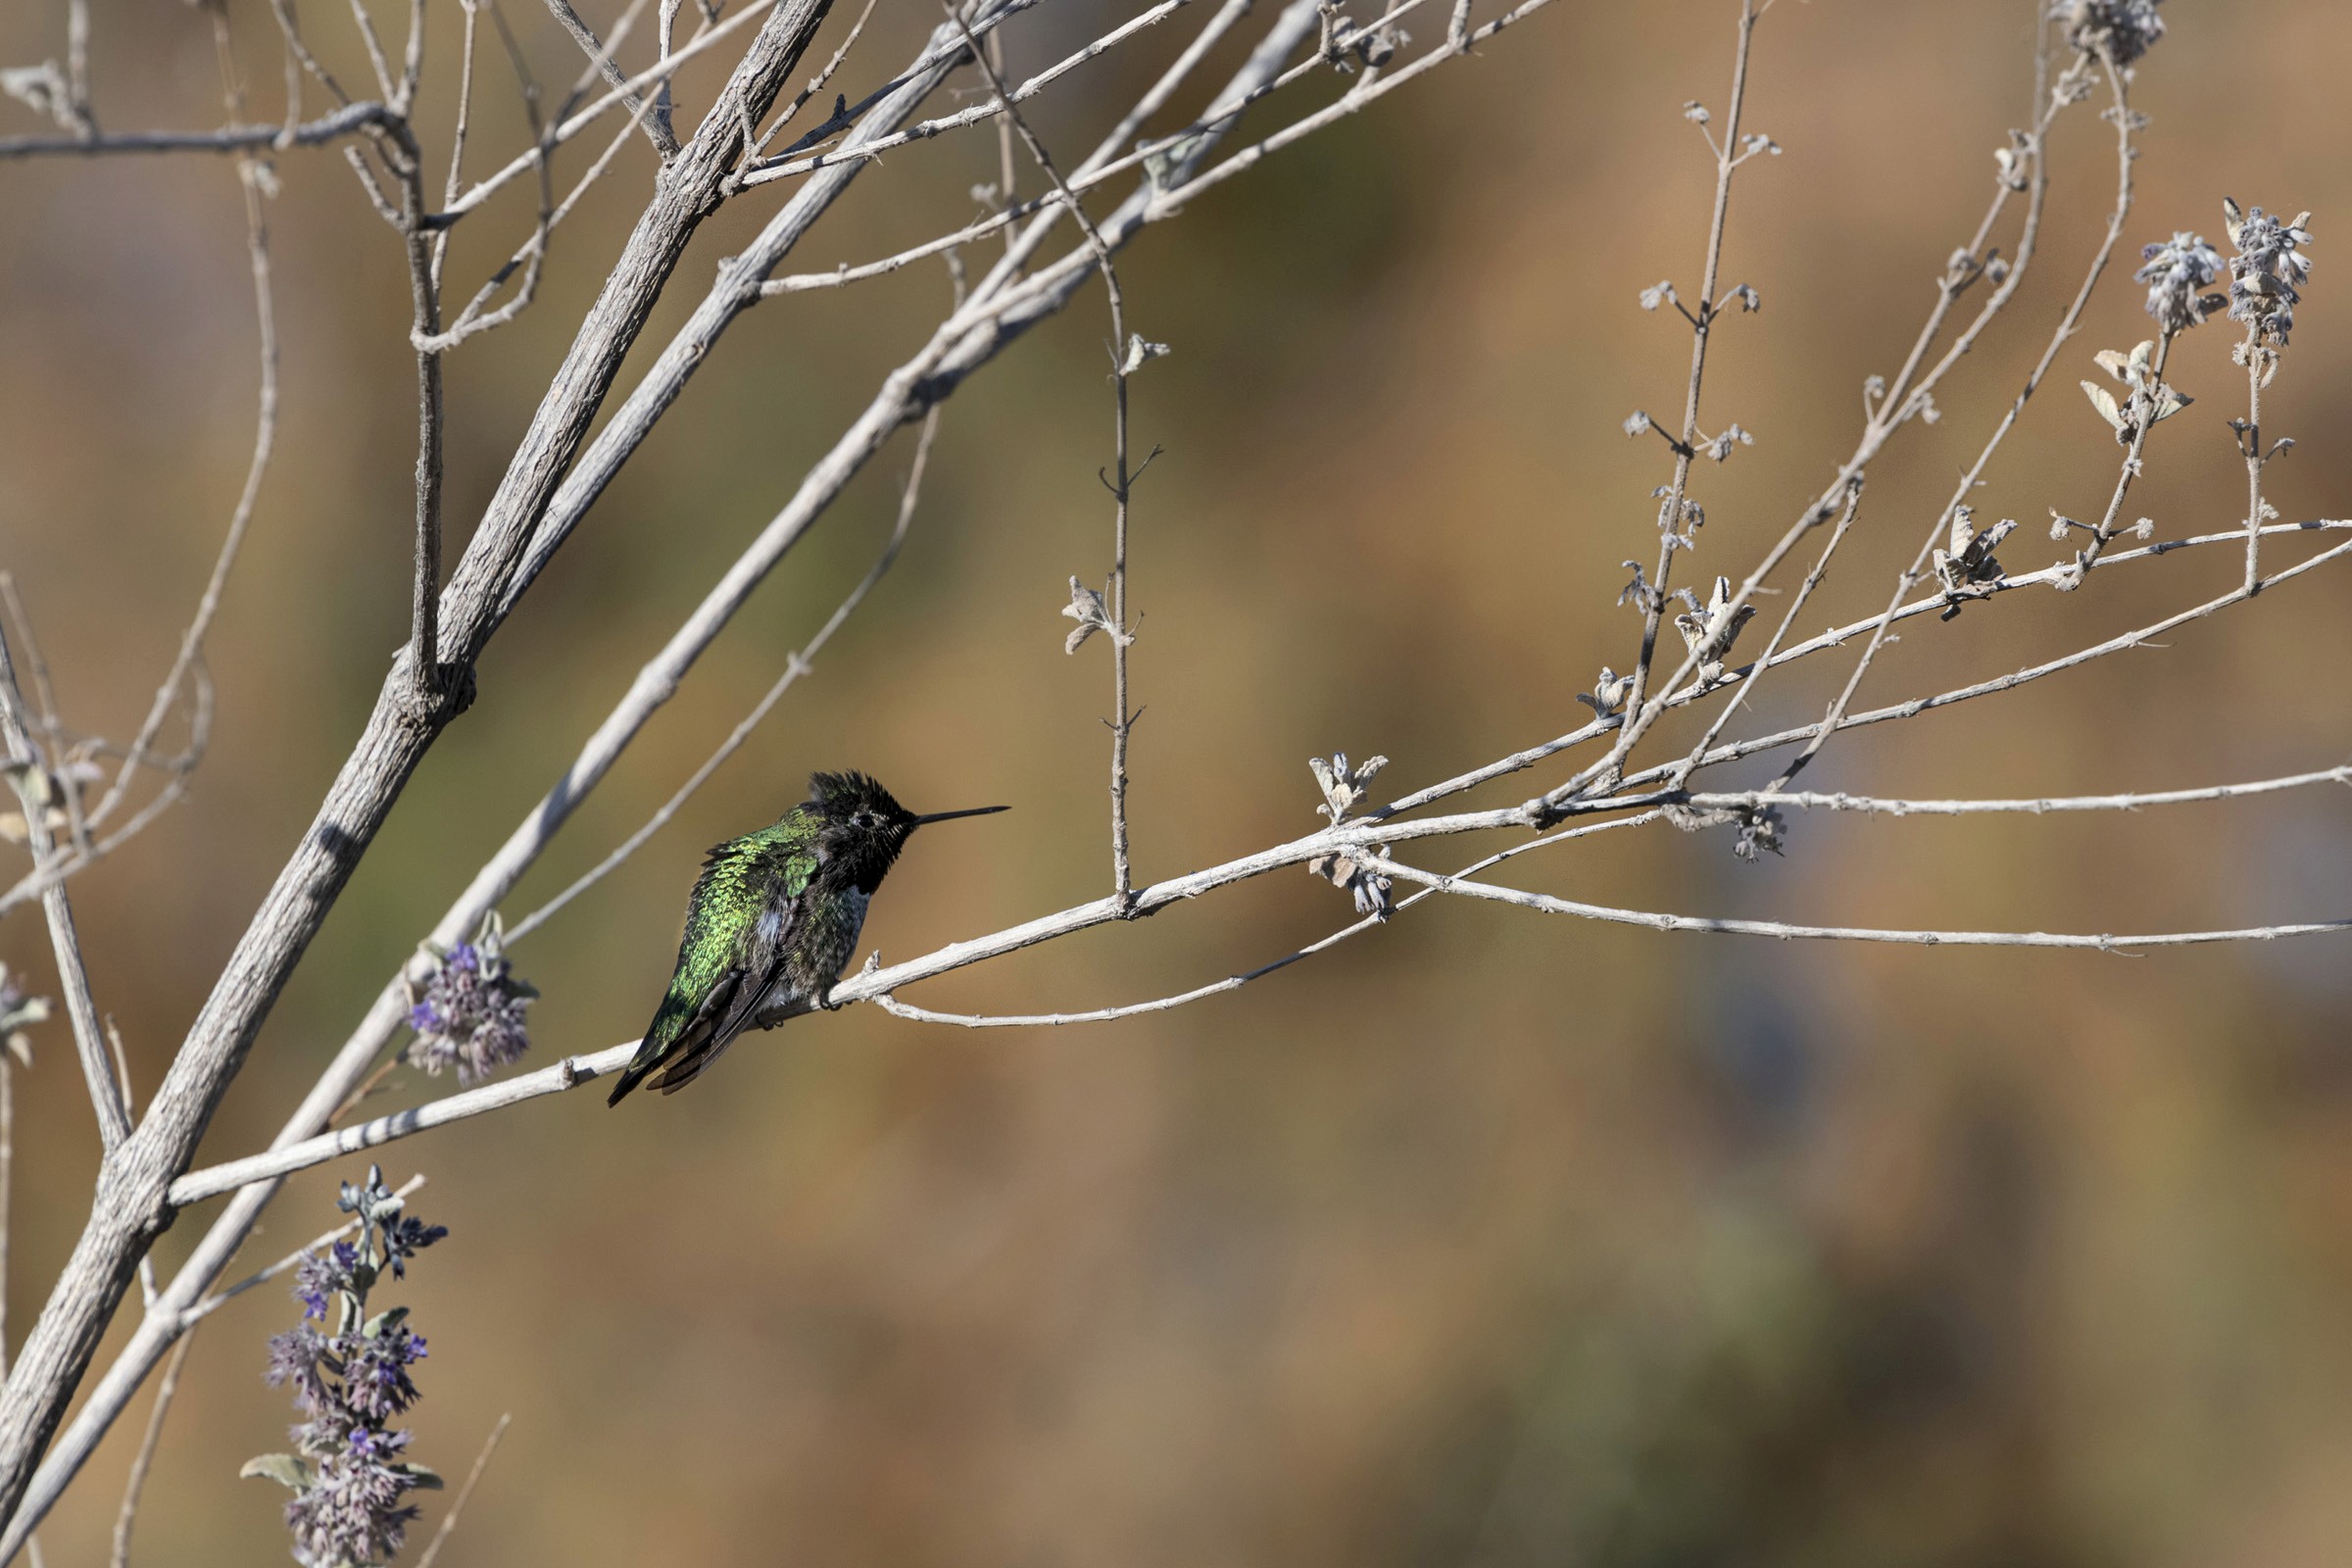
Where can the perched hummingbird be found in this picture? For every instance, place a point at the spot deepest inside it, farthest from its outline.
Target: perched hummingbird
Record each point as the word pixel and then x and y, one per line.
pixel 772 923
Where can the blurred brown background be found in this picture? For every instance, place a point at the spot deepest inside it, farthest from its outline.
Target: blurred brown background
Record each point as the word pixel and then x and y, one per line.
pixel 1486 1238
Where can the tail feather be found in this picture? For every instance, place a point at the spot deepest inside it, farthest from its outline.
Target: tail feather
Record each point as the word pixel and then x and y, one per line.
pixel 678 1039
pixel 630 1077
pixel 663 1038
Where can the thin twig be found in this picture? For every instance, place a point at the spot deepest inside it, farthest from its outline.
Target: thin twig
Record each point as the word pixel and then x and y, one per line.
pixel 1784 931
pixel 656 125
pixel 2256 366
pixel 29 771
pixel 144 1460
pixel 2127 126
pixel 1837 636
pixel 800 100
pixel 264 437
pixel 473 1477
pixel 382 67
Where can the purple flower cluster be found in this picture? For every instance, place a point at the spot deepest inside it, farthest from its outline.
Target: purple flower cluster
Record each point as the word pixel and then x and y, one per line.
pixel 349 1373
pixel 468 1009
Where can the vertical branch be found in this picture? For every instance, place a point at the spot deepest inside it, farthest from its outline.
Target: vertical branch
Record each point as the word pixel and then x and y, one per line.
pixel 412 61
pixel 1122 362
pixel 666 22
pixel 1006 178
pixel 1653 610
pixel 1122 875
pixel 2257 361
pixel 457 139
pixel 78 66
pixel 424 290
pixel 31 772
pixel 2143 404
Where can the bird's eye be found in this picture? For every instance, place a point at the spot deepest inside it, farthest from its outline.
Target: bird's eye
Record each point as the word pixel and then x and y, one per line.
pixel 865 819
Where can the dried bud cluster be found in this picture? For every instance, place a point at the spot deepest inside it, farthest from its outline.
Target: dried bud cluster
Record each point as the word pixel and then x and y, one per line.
pixel 1608 692
pixel 1088 609
pixel 1762 828
pixel 2119 32
pixel 2268 273
pixel 1968 564
pixel 1359 870
pixel 2177 273
pixel 1709 632
pixel 350 1381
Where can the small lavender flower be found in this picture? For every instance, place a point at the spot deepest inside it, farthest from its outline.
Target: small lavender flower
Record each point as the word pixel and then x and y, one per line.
pixel 376 1373
pixel 2118 31
pixel 467 1007
pixel 2177 270
pixel 2266 274
pixel 348 1476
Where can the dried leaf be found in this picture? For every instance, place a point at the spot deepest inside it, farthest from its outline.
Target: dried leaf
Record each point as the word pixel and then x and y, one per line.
pixel 1139 353
pixel 2104 401
pixel 283 1468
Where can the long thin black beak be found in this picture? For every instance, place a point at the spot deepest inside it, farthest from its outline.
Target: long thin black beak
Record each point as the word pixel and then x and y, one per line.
pixel 950 817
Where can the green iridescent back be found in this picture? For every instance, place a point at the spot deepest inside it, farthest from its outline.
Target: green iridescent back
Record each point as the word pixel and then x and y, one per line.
pixel 740 881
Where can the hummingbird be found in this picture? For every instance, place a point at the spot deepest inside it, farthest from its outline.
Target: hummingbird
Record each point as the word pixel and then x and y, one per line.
pixel 772 923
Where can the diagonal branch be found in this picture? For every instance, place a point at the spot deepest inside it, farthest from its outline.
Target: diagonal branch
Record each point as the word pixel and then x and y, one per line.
pixel 29 772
